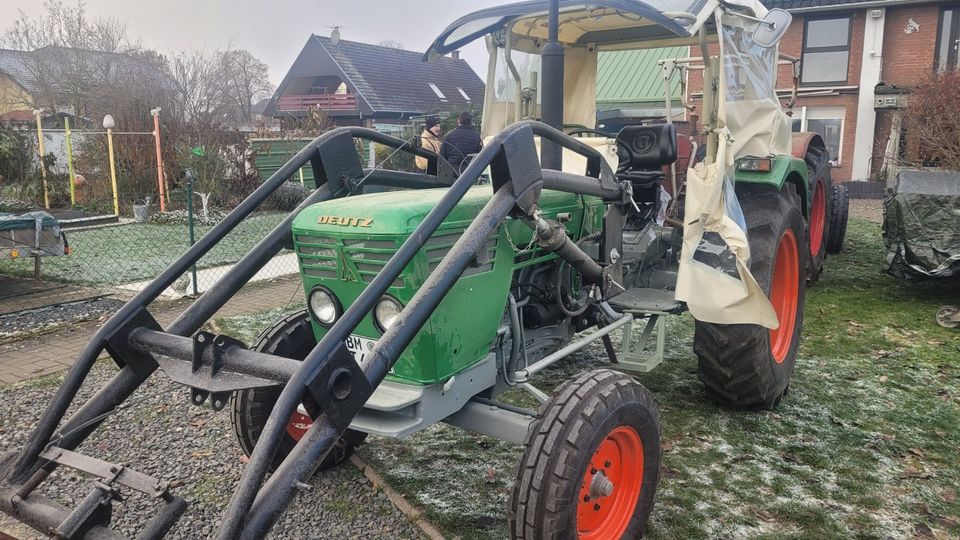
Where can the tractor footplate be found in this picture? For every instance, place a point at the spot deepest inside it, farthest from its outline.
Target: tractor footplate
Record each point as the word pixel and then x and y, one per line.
pixel 652 305
pixel 639 301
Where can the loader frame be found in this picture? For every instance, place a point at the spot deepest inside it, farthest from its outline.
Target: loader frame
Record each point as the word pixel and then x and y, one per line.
pixel 328 381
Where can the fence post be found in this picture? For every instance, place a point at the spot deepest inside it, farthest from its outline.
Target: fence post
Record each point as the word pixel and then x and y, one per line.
pixel 193 269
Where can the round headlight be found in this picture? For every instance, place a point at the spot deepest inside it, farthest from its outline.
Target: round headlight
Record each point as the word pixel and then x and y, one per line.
pixel 324 306
pixel 386 312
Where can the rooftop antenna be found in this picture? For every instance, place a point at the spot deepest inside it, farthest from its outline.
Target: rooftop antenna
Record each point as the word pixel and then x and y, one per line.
pixel 335 34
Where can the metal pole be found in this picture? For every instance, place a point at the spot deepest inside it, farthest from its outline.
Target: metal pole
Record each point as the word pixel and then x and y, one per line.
pixel 156 138
pixel 193 269
pixel 43 168
pixel 551 155
pixel 73 194
pixel 113 173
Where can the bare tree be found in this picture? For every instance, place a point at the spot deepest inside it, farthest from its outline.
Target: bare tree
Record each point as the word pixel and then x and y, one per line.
pixel 74 60
pixel 932 122
pixel 247 81
pixel 203 100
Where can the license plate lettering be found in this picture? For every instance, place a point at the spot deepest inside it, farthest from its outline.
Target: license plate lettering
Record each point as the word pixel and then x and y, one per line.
pixel 360 347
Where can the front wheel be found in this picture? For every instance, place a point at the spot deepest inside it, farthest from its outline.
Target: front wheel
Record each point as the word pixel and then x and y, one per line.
pixel 290 337
pixel 591 462
pixel 748 365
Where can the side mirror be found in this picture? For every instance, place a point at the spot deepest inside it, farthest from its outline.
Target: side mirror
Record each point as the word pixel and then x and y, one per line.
pixel 772 28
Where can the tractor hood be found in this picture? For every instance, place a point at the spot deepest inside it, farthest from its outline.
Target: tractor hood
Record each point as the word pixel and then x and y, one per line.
pixel 606 24
pixel 399 212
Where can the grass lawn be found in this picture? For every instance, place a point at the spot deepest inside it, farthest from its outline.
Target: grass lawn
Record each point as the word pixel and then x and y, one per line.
pixel 866 444
pixel 139 251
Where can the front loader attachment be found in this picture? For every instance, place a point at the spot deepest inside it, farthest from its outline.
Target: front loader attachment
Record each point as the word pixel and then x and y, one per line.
pixel 328 381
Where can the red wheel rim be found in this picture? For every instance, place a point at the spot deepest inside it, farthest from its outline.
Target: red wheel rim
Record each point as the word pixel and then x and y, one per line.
pixel 784 294
pixel 611 486
pixel 818 216
pixel 298 425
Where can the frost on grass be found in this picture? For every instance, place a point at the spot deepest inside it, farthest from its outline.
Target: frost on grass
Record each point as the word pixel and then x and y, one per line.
pixel 864 445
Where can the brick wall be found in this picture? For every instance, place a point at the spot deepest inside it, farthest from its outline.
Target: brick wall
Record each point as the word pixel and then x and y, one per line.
pixel 908 58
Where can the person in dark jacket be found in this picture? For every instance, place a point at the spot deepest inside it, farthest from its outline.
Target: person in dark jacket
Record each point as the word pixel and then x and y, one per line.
pixel 461 142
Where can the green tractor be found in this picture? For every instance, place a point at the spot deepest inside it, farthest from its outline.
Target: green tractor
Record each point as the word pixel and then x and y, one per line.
pixel 426 304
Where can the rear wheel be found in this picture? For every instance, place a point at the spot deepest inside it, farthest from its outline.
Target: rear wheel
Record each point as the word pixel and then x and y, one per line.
pixel 817 159
pixel 748 365
pixel 838 218
pixel 291 337
pixel 591 462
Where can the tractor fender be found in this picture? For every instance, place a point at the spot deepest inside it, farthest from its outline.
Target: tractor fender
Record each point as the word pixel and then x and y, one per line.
pixel 801 143
pixel 811 148
pixel 784 169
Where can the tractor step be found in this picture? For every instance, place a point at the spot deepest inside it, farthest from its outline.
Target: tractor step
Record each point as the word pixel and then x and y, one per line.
pixel 653 305
pixel 641 301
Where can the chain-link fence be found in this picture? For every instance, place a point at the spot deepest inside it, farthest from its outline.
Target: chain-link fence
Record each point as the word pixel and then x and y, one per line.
pixel 130 253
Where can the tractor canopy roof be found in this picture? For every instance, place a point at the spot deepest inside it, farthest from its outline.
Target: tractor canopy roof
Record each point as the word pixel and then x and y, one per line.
pixel 606 24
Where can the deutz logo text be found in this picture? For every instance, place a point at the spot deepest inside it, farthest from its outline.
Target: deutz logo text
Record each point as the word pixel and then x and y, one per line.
pixel 345 221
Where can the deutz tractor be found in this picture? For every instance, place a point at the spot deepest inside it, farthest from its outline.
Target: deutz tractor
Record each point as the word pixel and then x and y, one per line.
pixel 428 302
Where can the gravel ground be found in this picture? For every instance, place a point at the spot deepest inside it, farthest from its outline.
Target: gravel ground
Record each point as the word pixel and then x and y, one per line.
pixel 160 434
pixel 22 323
pixel 868 209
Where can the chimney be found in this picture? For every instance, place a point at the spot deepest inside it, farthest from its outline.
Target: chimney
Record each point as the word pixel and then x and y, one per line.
pixel 455 55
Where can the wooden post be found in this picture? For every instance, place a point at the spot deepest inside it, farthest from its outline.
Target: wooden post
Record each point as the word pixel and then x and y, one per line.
pixel 156 137
pixel 43 168
pixel 73 193
pixel 113 173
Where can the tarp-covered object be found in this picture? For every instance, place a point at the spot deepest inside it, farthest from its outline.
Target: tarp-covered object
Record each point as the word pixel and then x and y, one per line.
pixel 921 225
pixel 30 235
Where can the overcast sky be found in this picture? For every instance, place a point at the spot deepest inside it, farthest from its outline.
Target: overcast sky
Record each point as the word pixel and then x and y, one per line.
pixel 274 30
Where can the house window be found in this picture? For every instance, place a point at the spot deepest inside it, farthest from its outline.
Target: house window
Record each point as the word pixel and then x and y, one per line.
pixel 462 93
pixel 826 50
pixel 826 122
pixel 437 91
pixel 948 39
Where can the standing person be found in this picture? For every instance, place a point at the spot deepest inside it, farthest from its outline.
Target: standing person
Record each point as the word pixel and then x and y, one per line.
pixel 429 140
pixel 461 142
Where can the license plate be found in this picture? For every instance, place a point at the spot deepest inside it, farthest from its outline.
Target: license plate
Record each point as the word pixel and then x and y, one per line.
pixel 360 346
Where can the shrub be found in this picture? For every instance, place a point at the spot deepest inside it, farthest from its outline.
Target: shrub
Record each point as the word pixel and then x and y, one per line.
pixel 932 121
pixel 287 197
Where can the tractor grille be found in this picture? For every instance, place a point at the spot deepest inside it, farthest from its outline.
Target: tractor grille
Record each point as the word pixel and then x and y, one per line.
pixel 319 255
pixel 370 256
pixel 437 247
